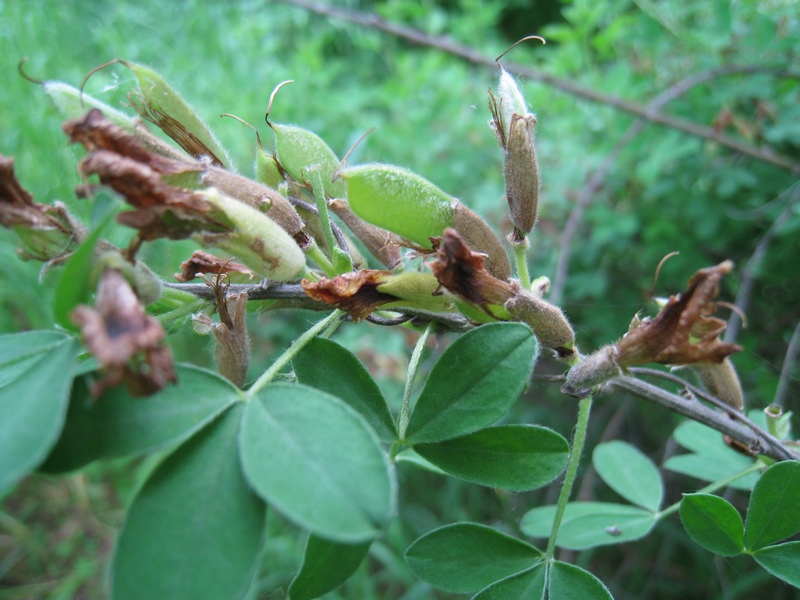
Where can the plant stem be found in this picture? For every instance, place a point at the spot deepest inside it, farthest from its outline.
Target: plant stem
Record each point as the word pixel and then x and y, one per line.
pixel 168 318
pixel 284 359
pixel 340 260
pixel 405 408
pixel 318 256
pixel 520 256
pixel 584 408
pixel 713 487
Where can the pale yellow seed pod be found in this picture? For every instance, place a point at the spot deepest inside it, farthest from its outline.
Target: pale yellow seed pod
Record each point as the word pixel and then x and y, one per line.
pixel 257 240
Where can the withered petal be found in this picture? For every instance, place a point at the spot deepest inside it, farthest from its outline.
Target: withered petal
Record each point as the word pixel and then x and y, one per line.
pixel 124 338
pixel 355 292
pixel 461 272
pixel 204 263
pixel 667 339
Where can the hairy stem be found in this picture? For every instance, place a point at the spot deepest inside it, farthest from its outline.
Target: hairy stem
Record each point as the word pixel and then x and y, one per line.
pixel 284 359
pixel 405 408
pixel 521 258
pixel 584 409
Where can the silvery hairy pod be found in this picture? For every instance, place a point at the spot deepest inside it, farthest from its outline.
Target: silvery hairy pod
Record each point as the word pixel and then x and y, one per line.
pixel 514 126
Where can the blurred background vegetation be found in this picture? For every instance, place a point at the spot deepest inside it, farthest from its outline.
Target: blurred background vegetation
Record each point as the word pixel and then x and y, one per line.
pixel 633 199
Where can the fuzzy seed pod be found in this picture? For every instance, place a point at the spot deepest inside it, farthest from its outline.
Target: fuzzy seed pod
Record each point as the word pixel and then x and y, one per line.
pixel 256 240
pixel 521 171
pixel 164 106
pixel 301 151
pixel 547 321
pixel 259 196
pixel 401 201
pixel 721 380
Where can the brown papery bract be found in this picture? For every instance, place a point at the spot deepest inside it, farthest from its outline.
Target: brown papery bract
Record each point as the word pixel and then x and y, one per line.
pixel 356 293
pixel 461 272
pixel 126 341
pixel 683 333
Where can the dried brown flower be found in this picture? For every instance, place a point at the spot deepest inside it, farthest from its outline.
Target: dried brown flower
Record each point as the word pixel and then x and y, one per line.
pixel 124 339
pixel 461 272
pixel 47 231
pixel 355 292
pixel 683 333
pixel 203 263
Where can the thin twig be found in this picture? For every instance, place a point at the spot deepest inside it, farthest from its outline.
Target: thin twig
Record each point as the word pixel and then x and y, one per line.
pixel 750 270
pixel 700 393
pixel 765 154
pixel 786 370
pixel 292 295
pixel 698 411
pixel 596 179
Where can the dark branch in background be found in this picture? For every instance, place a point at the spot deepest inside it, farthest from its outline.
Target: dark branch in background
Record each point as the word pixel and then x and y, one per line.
pixel 645 112
pixel 786 371
pixel 292 295
pixel 750 270
pixel 696 410
pixel 596 179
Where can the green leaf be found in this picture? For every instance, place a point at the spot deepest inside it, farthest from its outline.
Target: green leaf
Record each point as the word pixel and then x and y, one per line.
pixel 773 514
pixel 710 468
pixel 570 581
pixel 195 530
pixel 589 524
pixel 118 424
pixel 465 557
pixel 36 371
pixel 513 457
pixel 528 584
pixel 318 462
pixel 409 455
pixel 713 523
pixel 712 460
pixel 326 565
pixel 73 287
pixel 474 382
pixel 329 367
pixel 629 473
pixel 781 560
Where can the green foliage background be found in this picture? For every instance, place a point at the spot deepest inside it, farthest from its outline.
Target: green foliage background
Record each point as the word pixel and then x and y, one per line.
pixel 666 191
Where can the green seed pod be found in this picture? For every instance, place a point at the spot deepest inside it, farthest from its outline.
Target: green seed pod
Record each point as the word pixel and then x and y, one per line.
pixel 416 290
pixel 70 103
pixel 166 108
pixel 74 105
pixel 398 200
pixel 257 241
pixel 382 245
pixel 547 321
pixel 301 151
pixel 521 171
pixel 266 169
pixel 402 202
pixel 721 380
